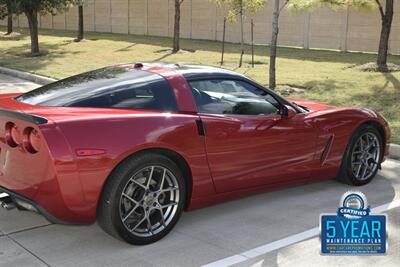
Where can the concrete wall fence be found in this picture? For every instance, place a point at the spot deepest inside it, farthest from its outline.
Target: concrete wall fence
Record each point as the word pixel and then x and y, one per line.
pixel 200 19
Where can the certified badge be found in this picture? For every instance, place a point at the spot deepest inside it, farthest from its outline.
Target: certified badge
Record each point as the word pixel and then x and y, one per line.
pixel 353 230
pixel 353 205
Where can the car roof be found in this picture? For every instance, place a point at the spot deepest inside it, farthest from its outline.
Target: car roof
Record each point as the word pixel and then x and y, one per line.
pixel 191 71
pixel 195 71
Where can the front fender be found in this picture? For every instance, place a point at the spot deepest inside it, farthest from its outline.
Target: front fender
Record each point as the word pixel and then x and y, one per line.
pixel 336 126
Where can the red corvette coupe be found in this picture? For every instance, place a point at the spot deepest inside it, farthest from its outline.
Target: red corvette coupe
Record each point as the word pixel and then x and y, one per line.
pixel 134 145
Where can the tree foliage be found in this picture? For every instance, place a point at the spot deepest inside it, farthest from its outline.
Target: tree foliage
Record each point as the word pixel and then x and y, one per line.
pixel 32 8
pixel 238 8
pixel 310 5
pixel 296 6
pixel 44 6
pixel 78 2
pixel 6 6
pixel 235 7
pixel 7 9
pixel 385 8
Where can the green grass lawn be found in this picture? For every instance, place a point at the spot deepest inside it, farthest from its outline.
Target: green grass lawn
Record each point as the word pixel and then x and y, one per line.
pixel 328 76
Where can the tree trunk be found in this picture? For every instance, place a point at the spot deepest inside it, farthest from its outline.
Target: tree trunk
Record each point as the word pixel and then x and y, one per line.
pixel 33 28
pixel 241 36
pixel 274 41
pixel 176 47
pixel 252 44
pixel 80 24
pixel 223 43
pixel 9 22
pixel 387 19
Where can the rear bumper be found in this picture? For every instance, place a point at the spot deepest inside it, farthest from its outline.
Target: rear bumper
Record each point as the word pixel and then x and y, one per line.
pixel 24 203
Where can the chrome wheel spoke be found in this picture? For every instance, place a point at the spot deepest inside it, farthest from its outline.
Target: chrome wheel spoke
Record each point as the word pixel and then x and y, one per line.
pixel 163 179
pixel 359 169
pixel 169 205
pixel 161 215
pixel 149 178
pixel 367 143
pixel 149 225
pixel 139 184
pixel 130 199
pixel 130 213
pixel 138 224
pixel 361 143
pixel 170 189
pixel 364 171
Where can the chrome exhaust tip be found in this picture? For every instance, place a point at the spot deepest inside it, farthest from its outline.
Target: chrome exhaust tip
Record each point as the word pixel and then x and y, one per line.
pixel 7 202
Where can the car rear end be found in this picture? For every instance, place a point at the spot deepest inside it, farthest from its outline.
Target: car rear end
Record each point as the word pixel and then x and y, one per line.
pixel 48 135
pixel 24 158
pixel 37 169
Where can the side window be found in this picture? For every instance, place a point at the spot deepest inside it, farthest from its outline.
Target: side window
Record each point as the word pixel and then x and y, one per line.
pixel 232 97
pixel 150 95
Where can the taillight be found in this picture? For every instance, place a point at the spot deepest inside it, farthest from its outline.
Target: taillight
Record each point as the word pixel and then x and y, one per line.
pixel 32 140
pixel 13 135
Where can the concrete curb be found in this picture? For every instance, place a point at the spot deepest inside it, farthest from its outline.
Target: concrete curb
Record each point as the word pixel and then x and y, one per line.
pixel 27 76
pixel 394 151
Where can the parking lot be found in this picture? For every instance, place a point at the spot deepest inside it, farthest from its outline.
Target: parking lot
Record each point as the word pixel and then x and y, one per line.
pixel 278 228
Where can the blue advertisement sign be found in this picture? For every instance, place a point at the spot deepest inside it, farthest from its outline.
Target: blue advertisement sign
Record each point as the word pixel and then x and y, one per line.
pixel 353 230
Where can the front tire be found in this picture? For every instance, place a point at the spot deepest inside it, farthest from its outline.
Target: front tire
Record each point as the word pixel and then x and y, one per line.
pixel 143 199
pixel 362 157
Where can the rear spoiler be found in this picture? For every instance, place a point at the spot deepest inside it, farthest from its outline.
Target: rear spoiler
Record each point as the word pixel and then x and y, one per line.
pixel 23 116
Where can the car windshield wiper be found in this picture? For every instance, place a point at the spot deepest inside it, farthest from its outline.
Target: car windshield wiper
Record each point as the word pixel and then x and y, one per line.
pixel 303 109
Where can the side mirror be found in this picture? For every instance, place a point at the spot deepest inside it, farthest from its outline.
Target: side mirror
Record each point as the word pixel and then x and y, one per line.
pixel 288 112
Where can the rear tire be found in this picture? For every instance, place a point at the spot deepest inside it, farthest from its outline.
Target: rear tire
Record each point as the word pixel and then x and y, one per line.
pixel 143 199
pixel 362 157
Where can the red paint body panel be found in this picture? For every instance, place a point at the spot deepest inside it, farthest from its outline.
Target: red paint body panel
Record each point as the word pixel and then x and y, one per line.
pixel 249 151
pixel 239 155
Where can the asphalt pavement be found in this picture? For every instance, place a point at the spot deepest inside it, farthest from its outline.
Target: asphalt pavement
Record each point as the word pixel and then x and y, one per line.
pixel 218 235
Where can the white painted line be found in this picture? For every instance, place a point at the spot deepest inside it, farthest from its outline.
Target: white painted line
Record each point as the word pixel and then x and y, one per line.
pixel 385 207
pixel 227 261
pixel 287 241
pixel 255 252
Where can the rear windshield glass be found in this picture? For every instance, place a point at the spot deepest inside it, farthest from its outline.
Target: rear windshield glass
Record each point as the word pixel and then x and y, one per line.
pixel 111 87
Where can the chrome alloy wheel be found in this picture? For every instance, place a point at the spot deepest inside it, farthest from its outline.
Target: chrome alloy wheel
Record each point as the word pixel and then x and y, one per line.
pixel 149 201
pixel 365 156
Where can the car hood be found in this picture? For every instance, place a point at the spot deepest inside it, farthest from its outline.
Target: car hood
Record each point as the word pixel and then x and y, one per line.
pixel 311 105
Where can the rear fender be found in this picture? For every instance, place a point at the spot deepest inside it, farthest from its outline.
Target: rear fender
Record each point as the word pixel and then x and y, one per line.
pixel 125 136
pixel 62 194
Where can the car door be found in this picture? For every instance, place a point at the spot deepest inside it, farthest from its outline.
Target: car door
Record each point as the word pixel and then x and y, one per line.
pixel 248 142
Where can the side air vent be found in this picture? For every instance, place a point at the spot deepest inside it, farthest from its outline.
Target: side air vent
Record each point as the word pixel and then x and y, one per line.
pixel 327 149
pixel 201 129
